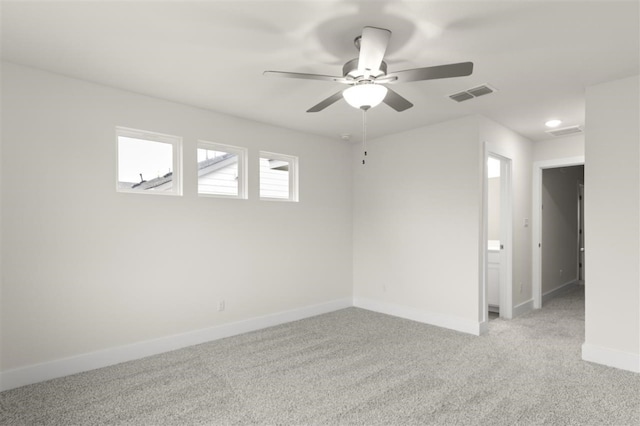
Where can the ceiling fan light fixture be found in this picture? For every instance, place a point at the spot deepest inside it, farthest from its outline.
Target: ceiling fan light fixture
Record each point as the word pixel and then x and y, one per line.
pixel 365 96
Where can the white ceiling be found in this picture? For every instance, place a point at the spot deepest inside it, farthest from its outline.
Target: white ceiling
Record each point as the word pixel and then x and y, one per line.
pixel 539 55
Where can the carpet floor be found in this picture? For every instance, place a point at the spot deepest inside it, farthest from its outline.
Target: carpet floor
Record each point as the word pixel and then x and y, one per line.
pixel 353 367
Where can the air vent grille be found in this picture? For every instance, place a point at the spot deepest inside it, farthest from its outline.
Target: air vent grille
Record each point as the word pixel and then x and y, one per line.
pixel 480 91
pixel 474 92
pixel 462 96
pixel 565 131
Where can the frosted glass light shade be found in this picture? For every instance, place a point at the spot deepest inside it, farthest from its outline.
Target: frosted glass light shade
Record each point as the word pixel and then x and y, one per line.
pixel 364 95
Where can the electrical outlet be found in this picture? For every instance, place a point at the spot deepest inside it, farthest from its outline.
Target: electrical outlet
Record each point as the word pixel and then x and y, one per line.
pixel 521 287
pixel 561 271
pixel 221 306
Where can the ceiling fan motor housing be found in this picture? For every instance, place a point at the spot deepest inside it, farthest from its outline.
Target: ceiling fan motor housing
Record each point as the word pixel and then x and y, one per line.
pixel 350 69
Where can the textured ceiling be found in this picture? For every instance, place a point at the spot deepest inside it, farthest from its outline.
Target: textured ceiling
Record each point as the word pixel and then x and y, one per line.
pixel 539 55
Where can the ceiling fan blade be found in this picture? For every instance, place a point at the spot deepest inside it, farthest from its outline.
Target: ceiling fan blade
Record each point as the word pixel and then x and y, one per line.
pixel 329 101
pixel 373 45
pixel 308 76
pixel 431 73
pixel 395 101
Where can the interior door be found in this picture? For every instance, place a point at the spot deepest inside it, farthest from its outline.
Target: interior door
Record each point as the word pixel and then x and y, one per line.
pixel 493 233
pixel 581 233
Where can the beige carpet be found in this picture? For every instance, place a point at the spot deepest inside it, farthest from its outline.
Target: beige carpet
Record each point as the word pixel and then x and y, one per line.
pixel 353 367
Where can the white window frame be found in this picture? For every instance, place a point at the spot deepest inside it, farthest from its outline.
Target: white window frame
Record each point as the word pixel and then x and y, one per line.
pixel 293 175
pixel 176 144
pixel 241 153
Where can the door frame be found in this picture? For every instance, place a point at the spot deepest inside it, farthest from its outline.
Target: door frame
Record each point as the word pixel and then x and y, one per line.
pixel 506 237
pixel 580 272
pixel 536 222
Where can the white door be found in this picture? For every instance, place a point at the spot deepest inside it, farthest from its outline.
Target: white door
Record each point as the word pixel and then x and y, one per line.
pixel 581 234
pixel 494 207
pixel 498 243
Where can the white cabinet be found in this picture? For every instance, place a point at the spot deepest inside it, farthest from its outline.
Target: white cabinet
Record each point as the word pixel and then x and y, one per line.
pixel 493 272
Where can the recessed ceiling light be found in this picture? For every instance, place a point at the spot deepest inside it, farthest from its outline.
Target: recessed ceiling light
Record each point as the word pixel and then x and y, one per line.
pixel 553 123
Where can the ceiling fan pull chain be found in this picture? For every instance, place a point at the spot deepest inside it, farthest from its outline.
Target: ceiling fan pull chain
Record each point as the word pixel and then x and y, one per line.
pixel 364 134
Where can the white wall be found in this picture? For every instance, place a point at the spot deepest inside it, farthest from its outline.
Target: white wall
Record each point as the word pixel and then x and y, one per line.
pixel 418 221
pixel 509 144
pixel 560 226
pixel 417 224
pixel 559 147
pixel 1 228
pixel 612 212
pixel 87 268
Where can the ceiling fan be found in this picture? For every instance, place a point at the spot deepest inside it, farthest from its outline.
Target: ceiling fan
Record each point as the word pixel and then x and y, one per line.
pixel 367 73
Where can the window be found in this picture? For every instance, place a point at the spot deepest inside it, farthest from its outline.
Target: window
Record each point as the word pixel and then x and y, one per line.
pixel 221 170
pixel 278 177
pixel 148 163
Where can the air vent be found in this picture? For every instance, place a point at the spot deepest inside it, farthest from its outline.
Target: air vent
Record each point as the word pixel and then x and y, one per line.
pixel 472 93
pixel 462 96
pixel 565 131
pixel 480 91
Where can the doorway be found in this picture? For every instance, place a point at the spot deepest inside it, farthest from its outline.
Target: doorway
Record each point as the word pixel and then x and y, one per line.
pixel 560 250
pixel 556 275
pixel 494 183
pixel 498 238
pixel 581 264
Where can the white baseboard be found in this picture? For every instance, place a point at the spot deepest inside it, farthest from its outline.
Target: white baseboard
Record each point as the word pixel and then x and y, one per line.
pixel 522 308
pixel 440 320
pixel 611 357
pixel 63 367
pixel 556 291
